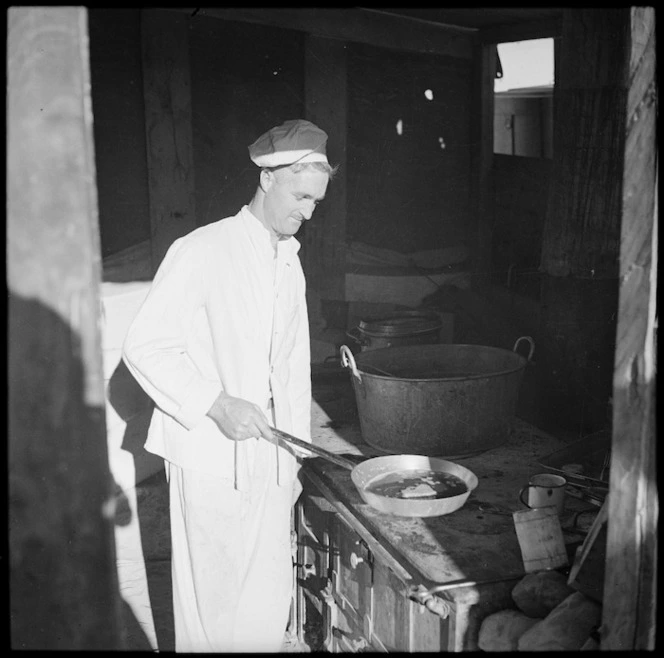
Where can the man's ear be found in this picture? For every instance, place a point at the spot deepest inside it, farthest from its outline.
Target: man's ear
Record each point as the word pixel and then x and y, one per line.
pixel 266 179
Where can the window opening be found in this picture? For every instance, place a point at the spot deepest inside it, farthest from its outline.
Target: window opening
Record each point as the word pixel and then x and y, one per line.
pixel 523 99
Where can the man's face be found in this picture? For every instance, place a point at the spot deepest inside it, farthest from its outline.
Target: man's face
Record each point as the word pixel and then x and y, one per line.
pixel 290 198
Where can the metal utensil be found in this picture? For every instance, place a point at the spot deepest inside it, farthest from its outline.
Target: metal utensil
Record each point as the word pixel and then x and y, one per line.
pixel 368 471
pixel 305 445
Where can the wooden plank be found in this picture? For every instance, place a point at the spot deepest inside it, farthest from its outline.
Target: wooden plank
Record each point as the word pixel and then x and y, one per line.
pixel 354 24
pixel 630 601
pixel 482 158
pixel 544 29
pixel 589 566
pixel 63 579
pixel 324 239
pixel 540 538
pixel 167 94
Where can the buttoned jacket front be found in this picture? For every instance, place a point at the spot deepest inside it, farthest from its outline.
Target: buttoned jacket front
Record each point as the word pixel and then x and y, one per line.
pixel 223 314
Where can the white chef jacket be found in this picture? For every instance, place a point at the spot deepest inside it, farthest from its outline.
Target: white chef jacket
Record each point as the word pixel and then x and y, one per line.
pixel 222 315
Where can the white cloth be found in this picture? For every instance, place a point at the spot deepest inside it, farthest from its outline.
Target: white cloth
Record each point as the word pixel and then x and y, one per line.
pixel 216 318
pixel 232 564
pixel 221 316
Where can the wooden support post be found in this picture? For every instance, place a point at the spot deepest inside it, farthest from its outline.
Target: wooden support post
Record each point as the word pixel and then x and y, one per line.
pixel 167 93
pixel 63 582
pixel 324 243
pixel 630 586
pixel 482 196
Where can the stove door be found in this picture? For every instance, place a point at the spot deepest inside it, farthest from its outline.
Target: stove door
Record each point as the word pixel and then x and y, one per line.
pixel 352 579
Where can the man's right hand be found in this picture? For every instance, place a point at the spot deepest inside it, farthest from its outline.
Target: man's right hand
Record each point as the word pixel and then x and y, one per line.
pixel 239 419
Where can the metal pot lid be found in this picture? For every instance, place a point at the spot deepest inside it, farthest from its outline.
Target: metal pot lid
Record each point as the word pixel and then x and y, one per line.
pixel 405 323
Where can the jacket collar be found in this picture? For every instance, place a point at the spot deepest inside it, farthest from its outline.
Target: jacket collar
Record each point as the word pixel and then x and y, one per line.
pixel 261 236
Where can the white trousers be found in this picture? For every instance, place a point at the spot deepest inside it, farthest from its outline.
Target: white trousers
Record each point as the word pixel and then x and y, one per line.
pixel 232 565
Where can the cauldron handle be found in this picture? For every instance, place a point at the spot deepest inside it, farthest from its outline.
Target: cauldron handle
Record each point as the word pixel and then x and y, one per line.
pixel 348 361
pixel 354 334
pixel 532 345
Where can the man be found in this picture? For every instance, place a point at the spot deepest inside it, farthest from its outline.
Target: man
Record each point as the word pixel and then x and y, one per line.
pixel 221 344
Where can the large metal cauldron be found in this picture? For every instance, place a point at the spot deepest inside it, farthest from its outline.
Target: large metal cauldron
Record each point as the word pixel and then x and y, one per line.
pixel 440 400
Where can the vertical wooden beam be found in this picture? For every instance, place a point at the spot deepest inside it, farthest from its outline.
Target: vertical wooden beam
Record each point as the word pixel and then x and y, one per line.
pixel 63 581
pixel 581 234
pixel 582 228
pixel 167 94
pixel 482 196
pixel 324 243
pixel 630 587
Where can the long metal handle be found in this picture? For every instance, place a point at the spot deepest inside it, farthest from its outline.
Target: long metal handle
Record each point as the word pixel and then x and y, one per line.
pixel 321 452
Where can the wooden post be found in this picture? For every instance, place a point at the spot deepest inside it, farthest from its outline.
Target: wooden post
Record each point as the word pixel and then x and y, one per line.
pixel 63 583
pixel 167 93
pixel 630 586
pixel 324 240
pixel 482 156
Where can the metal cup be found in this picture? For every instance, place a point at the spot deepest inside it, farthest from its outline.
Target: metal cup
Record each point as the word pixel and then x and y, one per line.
pixel 545 490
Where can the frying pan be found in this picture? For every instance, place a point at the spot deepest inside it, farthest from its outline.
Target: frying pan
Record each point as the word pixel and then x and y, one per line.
pixel 368 471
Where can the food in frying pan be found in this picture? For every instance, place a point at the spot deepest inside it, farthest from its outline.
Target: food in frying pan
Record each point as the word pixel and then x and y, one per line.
pixel 418 484
pixel 418 490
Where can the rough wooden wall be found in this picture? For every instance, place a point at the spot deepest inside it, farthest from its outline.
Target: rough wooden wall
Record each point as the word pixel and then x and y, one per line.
pixel 582 231
pixel 630 589
pixel 168 128
pixel 580 244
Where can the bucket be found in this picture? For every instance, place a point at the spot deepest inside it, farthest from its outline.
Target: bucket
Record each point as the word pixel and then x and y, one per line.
pixel 439 400
pixel 397 329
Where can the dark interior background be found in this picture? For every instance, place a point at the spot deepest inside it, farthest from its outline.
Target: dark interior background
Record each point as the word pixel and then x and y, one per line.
pixel 406 192
pixel 119 128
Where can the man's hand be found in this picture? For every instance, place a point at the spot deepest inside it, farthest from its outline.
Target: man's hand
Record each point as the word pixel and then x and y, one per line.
pixel 239 419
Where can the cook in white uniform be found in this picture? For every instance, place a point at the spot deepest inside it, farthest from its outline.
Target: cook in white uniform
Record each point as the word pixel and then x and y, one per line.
pixel 221 344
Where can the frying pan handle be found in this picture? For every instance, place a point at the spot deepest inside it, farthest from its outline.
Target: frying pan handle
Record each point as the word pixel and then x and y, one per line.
pixel 530 341
pixel 348 361
pixel 305 445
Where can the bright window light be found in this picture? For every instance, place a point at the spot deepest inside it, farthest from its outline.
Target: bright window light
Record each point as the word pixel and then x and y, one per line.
pixel 525 64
